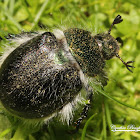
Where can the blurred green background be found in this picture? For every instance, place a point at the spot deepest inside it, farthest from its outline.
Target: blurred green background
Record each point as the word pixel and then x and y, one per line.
pixel 95 16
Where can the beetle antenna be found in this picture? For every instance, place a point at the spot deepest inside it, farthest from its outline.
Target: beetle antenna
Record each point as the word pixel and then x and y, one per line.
pixel 117 20
pixel 126 63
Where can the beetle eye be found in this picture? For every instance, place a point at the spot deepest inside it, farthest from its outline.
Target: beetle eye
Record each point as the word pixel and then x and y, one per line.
pixel 100 38
pixel 120 40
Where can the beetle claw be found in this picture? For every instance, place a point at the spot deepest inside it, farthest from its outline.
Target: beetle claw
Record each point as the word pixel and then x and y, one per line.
pixel 127 66
pixel 126 63
pixel 130 62
pixel 129 69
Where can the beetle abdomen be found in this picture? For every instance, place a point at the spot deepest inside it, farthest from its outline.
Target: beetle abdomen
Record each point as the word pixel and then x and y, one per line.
pixel 33 84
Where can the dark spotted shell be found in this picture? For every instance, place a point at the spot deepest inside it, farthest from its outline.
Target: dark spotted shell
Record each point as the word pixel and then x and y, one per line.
pixel 32 84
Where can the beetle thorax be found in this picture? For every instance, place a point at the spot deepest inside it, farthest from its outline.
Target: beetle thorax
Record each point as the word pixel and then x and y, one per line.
pixel 85 50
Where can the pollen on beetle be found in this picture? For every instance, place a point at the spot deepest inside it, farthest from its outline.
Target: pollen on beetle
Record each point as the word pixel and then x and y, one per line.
pixel 110 47
pixel 18 86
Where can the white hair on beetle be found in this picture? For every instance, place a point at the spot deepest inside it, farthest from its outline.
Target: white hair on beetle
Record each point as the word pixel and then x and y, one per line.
pixel 13 44
pixel 67 112
pixel 6 52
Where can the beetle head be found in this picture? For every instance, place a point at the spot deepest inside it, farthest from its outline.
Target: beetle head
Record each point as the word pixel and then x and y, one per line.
pixel 109 46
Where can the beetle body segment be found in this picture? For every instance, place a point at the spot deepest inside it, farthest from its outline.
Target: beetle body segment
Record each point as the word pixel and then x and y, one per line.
pixel 32 84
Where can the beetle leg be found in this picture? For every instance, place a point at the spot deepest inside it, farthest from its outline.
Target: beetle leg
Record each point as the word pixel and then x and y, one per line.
pixel 127 66
pixel 86 108
pixel 126 63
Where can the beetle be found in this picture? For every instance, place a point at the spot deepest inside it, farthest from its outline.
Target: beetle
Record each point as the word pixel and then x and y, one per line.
pixel 43 76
